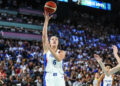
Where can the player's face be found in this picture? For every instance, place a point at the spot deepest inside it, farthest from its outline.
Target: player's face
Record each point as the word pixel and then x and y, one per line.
pixel 97 75
pixel 108 68
pixel 54 41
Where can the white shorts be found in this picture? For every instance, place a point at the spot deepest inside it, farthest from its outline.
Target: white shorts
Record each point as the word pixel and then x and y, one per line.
pixel 53 79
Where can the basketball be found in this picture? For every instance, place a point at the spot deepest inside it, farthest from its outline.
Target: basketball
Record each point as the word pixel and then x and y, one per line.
pixel 50 7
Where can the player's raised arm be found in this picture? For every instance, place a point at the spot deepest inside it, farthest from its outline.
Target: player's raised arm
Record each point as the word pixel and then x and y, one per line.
pixel 115 52
pixel 44 32
pixel 99 60
pixel 115 69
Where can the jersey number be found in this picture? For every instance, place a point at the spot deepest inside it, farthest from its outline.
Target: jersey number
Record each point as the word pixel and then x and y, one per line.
pixel 54 62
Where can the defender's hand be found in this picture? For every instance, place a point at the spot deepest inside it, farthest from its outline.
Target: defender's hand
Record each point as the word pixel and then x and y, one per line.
pixel 97 57
pixel 115 49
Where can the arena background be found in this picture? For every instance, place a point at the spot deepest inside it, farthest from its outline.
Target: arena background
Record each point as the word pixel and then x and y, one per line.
pixel 82 30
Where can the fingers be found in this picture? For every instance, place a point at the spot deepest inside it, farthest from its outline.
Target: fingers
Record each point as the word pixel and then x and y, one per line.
pixel 47 15
pixel 114 47
pixel 50 16
pixel 97 57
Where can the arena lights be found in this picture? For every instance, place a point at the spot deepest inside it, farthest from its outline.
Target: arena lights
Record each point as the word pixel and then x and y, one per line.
pixel 95 4
pixel 63 0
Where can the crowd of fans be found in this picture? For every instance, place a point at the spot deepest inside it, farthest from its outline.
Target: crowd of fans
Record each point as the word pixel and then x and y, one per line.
pixel 19 18
pixel 81 43
pixel 22 61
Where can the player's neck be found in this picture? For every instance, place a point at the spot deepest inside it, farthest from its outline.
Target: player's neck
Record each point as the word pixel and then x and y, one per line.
pixel 54 48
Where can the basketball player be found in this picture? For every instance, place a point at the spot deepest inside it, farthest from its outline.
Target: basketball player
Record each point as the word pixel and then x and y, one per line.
pixel 105 80
pixel 53 58
pixel 113 70
pixel 96 79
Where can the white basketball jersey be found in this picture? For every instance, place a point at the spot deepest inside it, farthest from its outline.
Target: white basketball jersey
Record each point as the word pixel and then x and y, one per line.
pixel 107 81
pixel 51 64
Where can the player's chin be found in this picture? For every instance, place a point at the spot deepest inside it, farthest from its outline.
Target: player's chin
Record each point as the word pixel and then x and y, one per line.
pixel 54 45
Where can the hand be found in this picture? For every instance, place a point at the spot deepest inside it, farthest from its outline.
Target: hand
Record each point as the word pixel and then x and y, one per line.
pixel 97 57
pixel 47 16
pixel 115 49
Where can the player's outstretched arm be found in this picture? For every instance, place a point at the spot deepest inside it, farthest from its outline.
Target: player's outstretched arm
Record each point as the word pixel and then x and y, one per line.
pixel 115 69
pixel 99 60
pixel 44 32
pixel 115 52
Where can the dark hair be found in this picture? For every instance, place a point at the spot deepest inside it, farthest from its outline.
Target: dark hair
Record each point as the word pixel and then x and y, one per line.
pixel 108 65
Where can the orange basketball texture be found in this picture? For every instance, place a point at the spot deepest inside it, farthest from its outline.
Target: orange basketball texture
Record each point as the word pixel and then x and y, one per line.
pixel 50 7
